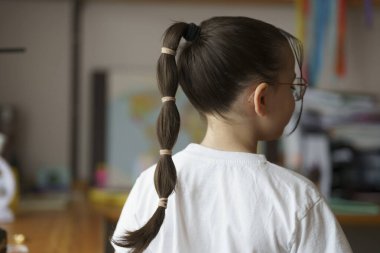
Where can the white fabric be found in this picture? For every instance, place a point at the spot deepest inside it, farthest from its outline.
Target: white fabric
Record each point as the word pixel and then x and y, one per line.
pixel 234 202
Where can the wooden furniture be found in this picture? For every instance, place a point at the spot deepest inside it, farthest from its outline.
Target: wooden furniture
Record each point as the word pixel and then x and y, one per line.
pixel 78 228
pixel 359 220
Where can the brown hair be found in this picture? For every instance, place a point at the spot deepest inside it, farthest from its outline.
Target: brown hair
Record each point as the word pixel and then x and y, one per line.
pixel 213 65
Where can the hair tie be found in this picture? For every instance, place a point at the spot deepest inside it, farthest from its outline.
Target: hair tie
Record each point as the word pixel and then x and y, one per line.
pixel 165 152
pixel 192 32
pixel 163 202
pixel 166 99
pixel 166 50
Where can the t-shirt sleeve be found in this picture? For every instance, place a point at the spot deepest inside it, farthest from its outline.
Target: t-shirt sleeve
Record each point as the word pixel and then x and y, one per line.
pixel 127 220
pixel 318 231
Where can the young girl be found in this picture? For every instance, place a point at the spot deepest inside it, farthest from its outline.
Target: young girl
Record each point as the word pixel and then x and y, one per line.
pixel 220 195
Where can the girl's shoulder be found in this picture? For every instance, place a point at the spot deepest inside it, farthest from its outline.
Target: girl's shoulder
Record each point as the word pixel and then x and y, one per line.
pixel 298 190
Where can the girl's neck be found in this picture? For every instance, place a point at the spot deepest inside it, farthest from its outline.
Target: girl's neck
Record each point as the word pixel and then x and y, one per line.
pixel 227 137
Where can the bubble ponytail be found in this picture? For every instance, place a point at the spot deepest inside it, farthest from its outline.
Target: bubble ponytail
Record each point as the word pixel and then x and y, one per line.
pixel 167 128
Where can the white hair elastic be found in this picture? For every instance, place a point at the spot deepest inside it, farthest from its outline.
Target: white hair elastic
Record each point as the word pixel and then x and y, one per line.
pixel 166 50
pixel 165 152
pixel 166 99
pixel 163 202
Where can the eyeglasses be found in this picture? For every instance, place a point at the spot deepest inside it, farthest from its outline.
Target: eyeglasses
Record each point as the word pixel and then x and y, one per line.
pixel 299 87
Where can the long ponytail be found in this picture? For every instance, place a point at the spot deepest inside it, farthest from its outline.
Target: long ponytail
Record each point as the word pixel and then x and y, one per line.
pixel 168 124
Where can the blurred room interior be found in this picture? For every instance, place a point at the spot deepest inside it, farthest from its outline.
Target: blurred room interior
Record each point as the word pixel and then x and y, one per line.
pixel 78 103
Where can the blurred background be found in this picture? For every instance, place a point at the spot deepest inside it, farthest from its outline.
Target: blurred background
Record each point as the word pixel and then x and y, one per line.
pixel 78 104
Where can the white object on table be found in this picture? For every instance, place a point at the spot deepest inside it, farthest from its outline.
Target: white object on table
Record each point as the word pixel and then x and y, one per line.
pixel 7 191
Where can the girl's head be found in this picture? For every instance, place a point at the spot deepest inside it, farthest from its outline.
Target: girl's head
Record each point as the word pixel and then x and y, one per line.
pixel 230 68
pixel 233 56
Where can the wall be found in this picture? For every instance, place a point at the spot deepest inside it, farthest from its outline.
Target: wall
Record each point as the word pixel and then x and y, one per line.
pixel 37 82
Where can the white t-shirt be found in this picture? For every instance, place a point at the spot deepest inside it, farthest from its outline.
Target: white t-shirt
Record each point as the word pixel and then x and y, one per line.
pixel 233 202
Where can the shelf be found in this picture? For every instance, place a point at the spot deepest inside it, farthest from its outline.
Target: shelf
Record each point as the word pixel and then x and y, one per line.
pixel 359 220
pixel 356 3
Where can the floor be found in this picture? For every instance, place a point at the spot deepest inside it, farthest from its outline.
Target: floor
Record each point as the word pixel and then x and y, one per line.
pixel 76 228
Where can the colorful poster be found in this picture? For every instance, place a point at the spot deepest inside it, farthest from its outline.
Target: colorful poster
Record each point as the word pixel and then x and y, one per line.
pixel 134 103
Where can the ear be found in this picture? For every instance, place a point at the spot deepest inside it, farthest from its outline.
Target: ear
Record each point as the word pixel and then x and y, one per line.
pixel 258 98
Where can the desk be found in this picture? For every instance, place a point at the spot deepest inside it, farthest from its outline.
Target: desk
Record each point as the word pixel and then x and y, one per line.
pixel 76 229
